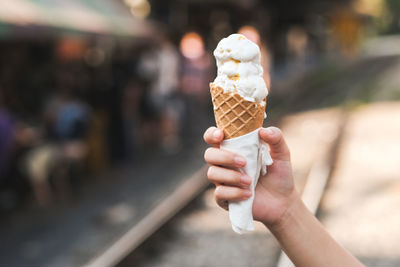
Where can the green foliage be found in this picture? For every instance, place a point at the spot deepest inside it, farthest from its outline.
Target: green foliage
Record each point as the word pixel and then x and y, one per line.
pixel 393 8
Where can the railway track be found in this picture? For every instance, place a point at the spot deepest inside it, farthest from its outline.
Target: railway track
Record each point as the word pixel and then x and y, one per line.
pixel 158 216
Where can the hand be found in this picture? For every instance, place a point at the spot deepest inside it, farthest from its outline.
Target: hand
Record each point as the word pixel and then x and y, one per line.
pixel 275 191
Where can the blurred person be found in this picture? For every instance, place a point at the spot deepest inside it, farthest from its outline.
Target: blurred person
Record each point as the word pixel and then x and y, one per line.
pixel 277 204
pixel 167 84
pixel 63 148
pixel 297 43
pixel 196 71
pixel 196 74
pixel 40 162
pixel 15 139
pixel 162 66
pixel 147 70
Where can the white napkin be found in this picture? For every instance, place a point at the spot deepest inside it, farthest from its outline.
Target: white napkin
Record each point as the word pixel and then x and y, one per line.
pixel 257 158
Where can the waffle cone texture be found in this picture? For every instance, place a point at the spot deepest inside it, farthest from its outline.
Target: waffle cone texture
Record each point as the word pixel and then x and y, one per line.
pixel 235 115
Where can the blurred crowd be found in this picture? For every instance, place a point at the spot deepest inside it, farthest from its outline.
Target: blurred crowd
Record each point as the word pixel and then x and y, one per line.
pixel 73 107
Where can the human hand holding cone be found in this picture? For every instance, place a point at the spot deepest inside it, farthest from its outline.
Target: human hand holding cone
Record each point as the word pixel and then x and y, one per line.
pixel 239 98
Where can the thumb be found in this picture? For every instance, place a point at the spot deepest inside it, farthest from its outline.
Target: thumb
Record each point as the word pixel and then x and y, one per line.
pixel 274 138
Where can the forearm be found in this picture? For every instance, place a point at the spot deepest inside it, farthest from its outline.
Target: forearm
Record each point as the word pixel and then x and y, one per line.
pixel 306 242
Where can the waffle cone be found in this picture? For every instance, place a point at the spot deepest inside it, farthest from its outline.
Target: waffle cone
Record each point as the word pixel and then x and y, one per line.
pixel 235 115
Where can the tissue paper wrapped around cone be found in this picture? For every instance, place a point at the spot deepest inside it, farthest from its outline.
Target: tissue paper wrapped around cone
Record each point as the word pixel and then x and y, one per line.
pixel 235 115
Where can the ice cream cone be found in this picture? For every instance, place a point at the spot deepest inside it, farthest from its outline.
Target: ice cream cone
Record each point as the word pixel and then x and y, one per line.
pixel 235 115
pixel 239 96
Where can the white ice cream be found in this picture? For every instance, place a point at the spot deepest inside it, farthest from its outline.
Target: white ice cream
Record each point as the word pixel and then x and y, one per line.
pixel 239 68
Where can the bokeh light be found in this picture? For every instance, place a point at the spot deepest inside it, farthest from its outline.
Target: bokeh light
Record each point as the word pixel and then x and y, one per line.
pixel 139 8
pixel 192 45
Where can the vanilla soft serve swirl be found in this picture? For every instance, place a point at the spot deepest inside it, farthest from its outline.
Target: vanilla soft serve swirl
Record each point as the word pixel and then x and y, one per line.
pixel 239 68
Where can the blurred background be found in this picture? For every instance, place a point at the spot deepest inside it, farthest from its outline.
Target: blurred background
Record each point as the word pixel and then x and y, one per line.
pixel 103 104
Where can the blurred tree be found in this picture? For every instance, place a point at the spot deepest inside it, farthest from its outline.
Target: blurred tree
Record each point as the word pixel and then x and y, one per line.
pixel 393 7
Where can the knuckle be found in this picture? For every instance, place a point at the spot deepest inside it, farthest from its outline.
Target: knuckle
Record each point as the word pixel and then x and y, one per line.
pixel 228 157
pixel 237 192
pixel 232 176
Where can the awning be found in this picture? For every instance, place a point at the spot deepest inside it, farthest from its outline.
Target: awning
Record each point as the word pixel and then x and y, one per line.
pixel 94 16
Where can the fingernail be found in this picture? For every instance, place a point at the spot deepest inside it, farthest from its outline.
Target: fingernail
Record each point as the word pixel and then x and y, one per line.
pixel 239 161
pixel 247 194
pixel 269 131
pixel 217 134
pixel 245 179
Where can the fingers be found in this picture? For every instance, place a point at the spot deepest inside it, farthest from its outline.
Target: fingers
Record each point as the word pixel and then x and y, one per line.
pixel 219 175
pixel 274 138
pixel 224 194
pixel 231 185
pixel 213 136
pixel 215 156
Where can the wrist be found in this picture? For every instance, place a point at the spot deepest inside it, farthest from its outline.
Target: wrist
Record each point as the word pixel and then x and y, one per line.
pixel 293 210
pixel 305 241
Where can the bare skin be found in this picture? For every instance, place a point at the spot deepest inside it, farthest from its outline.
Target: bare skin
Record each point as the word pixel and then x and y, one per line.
pixel 276 203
